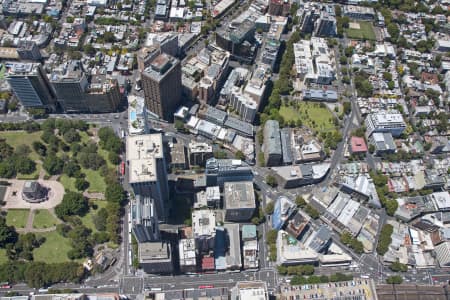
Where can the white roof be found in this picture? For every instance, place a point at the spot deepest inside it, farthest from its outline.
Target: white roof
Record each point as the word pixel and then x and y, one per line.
pixel 142 152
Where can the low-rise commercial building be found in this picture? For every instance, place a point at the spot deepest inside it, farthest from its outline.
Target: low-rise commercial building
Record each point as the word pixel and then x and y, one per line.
pixel 295 176
pixel 385 122
pixel 219 171
pixel 155 257
pixel 291 252
pixel 272 143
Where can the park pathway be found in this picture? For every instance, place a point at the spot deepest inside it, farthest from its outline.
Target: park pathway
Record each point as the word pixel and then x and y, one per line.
pixel 29 227
pixel 99 196
pixel 30 220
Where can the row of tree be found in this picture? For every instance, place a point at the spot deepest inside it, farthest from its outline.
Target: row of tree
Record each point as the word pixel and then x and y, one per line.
pixel 40 274
pixel 385 239
pixel 296 270
pixel 350 241
pixel 313 279
pixel 380 182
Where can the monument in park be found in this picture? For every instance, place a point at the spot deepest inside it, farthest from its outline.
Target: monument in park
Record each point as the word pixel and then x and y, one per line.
pixel 34 192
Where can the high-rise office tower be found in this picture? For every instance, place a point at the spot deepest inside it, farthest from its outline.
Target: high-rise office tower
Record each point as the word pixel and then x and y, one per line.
pixel 147 173
pixel 70 84
pixel 161 82
pixel 31 86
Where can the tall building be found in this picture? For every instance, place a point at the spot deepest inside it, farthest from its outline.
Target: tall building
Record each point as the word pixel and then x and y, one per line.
pixel 103 94
pixel 219 171
pixel 28 50
pixel 70 85
pixel 76 94
pixel 199 153
pixel 31 86
pixel 279 7
pixel 161 82
pixel 147 170
pixel 385 122
pixel 272 143
pixel 325 25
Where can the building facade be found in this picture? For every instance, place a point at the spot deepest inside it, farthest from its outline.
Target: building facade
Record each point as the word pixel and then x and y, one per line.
pixel 161 82
pixel 147 170
pixel 31 86
pixel 272 143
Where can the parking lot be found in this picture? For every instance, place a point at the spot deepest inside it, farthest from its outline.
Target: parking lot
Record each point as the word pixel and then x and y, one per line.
pixel 356 289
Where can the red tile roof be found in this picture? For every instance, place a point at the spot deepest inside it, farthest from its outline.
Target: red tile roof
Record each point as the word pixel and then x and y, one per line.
pixel 358 144
pixel 208 263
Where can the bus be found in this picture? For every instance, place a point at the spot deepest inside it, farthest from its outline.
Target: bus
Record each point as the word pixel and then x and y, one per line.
pixel 206 287
pixel 122 168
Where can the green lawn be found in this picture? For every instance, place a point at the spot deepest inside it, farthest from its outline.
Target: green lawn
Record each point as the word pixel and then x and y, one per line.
pixel 87 219
pixel 364 33
pixel 54 249
pixel 3 257
pixel 317 118
pixel 96 181
pixel 17 217
pixel 16 138
pixel 68 183
pixel 44 219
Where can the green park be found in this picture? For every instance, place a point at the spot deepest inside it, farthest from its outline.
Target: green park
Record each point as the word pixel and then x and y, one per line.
pixel 361 31
pixel 84 160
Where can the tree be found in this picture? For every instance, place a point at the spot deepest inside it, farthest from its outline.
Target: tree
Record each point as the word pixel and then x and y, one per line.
pixel 271 180
pixel 269 208
pixel 99 219
pixel 385 239
pixel 393 31
pixel 300 201
pixel 312 212
pixel 24 165
pixel 394 279
pixel 81 184
pixel 53 164
pixel 109 140
pixel 115 193
pixel 71 168
pixel 8 234
pixel 109 37
pixel 72 204
pixel 179 126
pixel 114 158
pixel 220 154
pixel 239 155
pixel 387 76
pixel 89 49
pixel 71 136
pixel 5 150
pixel 272 236
pixel 398 267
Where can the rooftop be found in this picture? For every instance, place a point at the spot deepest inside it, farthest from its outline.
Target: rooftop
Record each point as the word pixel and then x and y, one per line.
pixel 142 152
pixel 358 144
pixel 239 195
pixel 203 222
